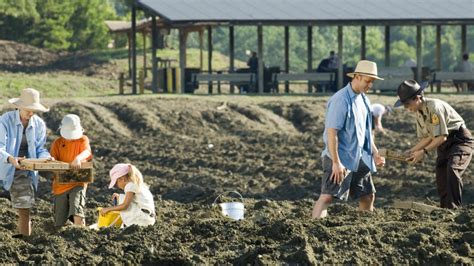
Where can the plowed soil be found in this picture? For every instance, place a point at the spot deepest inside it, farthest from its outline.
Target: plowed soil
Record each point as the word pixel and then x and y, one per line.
pixel 192 149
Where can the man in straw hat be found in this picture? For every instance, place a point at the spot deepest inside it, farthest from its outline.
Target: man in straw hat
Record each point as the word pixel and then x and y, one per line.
pixel 350 154
pixel 440 128
pixel 22 135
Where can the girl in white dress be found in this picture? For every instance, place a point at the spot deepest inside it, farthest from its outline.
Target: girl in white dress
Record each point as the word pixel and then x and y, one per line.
pixel 136 206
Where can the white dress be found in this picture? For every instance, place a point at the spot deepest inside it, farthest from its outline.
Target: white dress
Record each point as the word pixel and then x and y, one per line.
pixel 141 210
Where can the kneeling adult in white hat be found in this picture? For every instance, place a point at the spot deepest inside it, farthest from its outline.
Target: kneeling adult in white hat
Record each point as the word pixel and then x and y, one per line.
pixel 22 135
pixel 350 155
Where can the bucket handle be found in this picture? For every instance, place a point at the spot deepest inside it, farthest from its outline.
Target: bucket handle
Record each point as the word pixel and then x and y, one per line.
pixel 228 192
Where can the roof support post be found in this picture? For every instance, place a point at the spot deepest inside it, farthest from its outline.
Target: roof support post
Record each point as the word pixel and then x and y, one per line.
pixel 134 48
pixel 387 46
pixel 182 59
pixel 260 58
pixel 144 53
pixel 154 44
pixel 231 55
pixel 419 57
pixel 463 39
pixel 363 48
pixel 340 43
pixel 310 54
pixel 129 44
pixel 201 45
pixel 438 54
pixel 287 57
pixel 209 56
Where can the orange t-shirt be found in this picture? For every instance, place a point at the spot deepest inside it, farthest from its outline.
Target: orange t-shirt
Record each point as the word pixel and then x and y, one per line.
pixel 66 151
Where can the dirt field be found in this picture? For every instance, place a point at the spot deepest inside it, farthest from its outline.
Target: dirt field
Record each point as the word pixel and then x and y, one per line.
pixel 266 148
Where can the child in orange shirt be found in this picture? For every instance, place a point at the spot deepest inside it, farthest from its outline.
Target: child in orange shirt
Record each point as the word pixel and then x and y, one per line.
pixel 72 147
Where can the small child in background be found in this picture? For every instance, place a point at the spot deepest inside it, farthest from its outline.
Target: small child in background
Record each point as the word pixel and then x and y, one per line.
pixel 72 147
pixel 136 206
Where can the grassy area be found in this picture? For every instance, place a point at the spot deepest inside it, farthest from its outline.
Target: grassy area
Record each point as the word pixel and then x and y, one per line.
pixel 56 84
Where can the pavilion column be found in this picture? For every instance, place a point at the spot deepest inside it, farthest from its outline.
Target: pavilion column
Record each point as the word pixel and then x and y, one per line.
pixel 134 49
pixel 260 58
pixel 340 71
pixel 129 43
pixel 209 56
pixel 154 45
pixel 419 56
pixel 463 40
pixel 287 57
pixel 363 48
pixel 387 46
pixel 231 55
pixel 182 59
pixel 438 54
pixel 310 54
pixel 201 47
pixel 144 53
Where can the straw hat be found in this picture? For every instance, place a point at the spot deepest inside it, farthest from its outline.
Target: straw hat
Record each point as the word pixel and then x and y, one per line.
pixel 29 99
pixel 407 90
pixel 71 127
pixel 366 68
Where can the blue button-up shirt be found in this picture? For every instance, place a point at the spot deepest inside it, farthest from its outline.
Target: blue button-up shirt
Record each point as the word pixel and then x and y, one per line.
pixel 11 133
pixel 349 113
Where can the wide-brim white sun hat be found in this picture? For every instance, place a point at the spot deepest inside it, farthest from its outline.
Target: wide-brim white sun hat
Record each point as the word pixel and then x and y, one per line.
pixel 71 127
pixel 30 100
pixel 366 68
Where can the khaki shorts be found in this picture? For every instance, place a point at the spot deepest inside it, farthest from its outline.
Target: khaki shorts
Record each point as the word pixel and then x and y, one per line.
pixel 69 204
pixel 22 193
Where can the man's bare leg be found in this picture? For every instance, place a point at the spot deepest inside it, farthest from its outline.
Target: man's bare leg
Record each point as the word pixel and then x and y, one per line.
pixel 321 205
pixel 366 203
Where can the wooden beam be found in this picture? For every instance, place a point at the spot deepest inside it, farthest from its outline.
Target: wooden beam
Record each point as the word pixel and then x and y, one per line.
pixel 438 54
pixel 341 57
pixel 310 53
pixel 387 46
pixel 363 47
pixel 231 55
pixel 260 58
pixel 201 48
pixel 287 56
pixel 419 55
pixel 182 59
pixel 154 45
pixel 209 56
pixel 144 54
pixel 134 49
pixel 463 40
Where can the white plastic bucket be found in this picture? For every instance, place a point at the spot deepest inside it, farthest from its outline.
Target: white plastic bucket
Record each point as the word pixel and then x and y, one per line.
pixel 234 210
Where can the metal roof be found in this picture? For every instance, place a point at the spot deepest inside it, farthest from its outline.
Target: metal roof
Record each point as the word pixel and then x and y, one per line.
pixel 336 12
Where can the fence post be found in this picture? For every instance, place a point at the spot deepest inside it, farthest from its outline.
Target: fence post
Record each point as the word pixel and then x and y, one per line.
pixel 141 80
pixel 121 82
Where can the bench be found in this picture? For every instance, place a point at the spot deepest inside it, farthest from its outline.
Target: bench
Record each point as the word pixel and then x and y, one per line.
pixel 393 77
pixel 455 77
pixel 230 78
pixel 327 78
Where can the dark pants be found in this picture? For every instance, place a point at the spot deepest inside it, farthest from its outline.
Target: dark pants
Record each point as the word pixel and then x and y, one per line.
pixel 454 156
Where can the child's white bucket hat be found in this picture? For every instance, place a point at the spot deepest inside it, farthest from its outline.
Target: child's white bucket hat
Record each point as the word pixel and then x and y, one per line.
pixel 71 127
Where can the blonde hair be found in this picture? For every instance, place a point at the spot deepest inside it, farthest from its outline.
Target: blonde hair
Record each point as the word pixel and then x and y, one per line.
pixel 134 175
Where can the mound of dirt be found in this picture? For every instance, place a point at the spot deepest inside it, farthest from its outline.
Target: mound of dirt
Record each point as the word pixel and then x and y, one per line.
pixel 16 56
pixel 191 150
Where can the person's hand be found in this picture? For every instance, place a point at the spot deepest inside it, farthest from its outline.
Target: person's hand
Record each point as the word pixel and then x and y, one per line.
pixel 76 164
pixel 104 211
pixel 338 172
pixel 379 160
pixel 50 159
pixel 416 156
pixel 15 161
